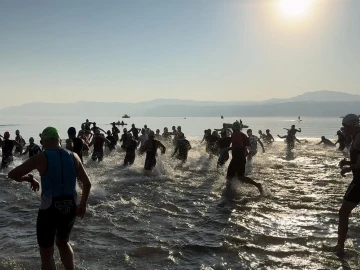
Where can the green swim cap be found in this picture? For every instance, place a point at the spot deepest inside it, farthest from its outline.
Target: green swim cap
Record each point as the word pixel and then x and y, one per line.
pixel 50 133
pixel 236 126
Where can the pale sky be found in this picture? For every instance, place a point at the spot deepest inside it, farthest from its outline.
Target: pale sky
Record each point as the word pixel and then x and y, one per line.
pixel 137 50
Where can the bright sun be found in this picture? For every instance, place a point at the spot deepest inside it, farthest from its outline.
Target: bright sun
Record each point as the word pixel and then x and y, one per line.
pixel 295 8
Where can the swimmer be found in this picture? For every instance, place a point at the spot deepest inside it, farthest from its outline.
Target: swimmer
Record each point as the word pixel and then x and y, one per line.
pixel 325 141
pixel 269 138
pixel 7 147
pixel 142 139
pixel 130 147
pixel 99 142
pixel 223 144
pixel 150 147
pixel 182 148
pixel 253 144
pixel 32 148
pixel 115 131
pixel 226 129
pixel 112 140
pixel 262 136
pixel 158 135
pixel 59 170
pixel 135 131
pixel 166 135
pixel 95 128
pixel 20 140
pixel 239 144
pixel 352 195
pixel 289 139
pixel 341 140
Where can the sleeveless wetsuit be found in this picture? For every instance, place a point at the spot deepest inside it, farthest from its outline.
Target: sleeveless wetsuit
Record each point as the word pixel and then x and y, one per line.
pixel 352 194
pixel 57 211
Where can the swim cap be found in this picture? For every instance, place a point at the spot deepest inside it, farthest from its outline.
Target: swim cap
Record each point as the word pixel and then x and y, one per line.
pixel 249 130
pixel 351 120
pixel 108 132
pixel 7 134
pixel 31 139
pixel 97 131
pixel 151 134
pixel 214 133
pixel 268 130
pixel 71 131
pixel 236 126
pixel 50 133
pixel 158 130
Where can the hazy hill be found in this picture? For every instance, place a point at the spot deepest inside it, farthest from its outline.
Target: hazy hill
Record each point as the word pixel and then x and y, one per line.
pixel 319 103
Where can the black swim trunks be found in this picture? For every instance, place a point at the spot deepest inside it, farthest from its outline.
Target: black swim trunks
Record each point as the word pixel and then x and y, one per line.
pixel 57 220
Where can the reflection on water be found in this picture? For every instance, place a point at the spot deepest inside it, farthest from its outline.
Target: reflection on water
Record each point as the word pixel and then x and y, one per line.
pixel 174 218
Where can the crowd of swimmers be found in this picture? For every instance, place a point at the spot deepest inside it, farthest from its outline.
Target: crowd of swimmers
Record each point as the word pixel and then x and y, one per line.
pixel 60 165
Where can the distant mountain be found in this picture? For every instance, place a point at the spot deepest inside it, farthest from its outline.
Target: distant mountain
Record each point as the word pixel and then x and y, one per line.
pixel 318 109
pixel 319 103
pixel 318 96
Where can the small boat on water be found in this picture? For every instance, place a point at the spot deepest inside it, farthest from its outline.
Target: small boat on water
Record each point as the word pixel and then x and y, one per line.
pixel 126 116
pixel 118 123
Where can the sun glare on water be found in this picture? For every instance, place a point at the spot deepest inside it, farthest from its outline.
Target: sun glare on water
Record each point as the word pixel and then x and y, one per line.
pixel 295 8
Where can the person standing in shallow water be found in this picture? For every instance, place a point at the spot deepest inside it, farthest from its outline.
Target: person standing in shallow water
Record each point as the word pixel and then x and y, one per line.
pixel 150 147
pixel 7 147
pixel 239 144
pixel 352 195
pixel 59 169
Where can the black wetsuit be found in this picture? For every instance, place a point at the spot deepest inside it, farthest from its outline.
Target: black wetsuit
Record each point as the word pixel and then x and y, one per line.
pixel 21 141
pixel 224 155
pixel 166 136
pixel 78 147
pixel 113 142
pixel 33 149
pixel 268 138
pixel 352 194
pixel 115 132
pixel 212 144
pixel 182 148
pixel 7 155
pixel 135 132
pixel 123 140
pixel 86 126
pixel 150 160
pixel 342 141
pixel 327 142
pixel 130 152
